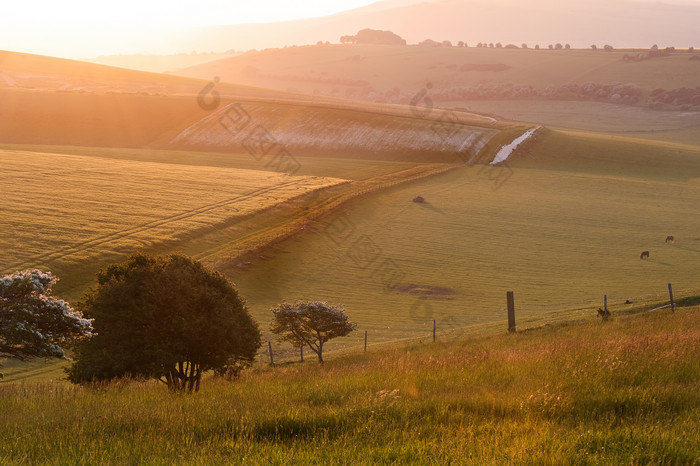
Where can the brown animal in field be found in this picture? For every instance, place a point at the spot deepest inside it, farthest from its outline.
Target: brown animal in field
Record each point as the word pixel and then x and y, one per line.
pixel 645 255
pixel 603 314
pixel 669 239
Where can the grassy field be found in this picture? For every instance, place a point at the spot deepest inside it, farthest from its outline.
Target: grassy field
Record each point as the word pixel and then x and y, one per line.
pixel 566 226
pixel 410 68
pixel 112 202
pixel 621 392
pixel 594 116
pixel 332 167
pixel 63 211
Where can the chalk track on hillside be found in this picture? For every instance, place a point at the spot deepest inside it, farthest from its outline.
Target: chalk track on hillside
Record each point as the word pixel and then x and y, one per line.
pixel 335 132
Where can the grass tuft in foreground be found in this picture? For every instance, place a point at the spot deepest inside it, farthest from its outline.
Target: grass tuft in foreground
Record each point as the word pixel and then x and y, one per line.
pixel 624 391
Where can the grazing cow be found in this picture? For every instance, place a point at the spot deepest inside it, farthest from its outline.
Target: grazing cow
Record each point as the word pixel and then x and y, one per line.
pixel 645 255
pixel 669 239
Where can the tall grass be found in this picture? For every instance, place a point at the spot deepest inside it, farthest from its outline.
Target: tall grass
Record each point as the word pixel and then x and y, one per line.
pixel 624 391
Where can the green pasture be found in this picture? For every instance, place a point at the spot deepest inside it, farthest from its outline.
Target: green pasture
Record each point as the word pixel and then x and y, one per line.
pixel 73 210
pixel 595 116
pixel 619 392
pixel 561 226
pixel 62 211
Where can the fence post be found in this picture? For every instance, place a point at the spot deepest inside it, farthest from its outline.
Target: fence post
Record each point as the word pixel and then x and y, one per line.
pixel 269 347
pixel 511 311
pixel 605 304
pixel 670 293
pixel 434 327
pixel 365 341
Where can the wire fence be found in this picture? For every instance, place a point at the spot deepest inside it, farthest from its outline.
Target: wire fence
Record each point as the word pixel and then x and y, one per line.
pixel 448 331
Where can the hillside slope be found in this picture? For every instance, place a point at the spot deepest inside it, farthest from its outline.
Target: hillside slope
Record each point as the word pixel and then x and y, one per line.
pixel 582 89
pixel 619 392
pixel 49 101
pixel 409 68
pixel 45 100
pixel 262 127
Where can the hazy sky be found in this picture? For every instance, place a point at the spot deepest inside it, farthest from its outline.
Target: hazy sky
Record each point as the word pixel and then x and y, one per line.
pixel 88 28
pixel 84 28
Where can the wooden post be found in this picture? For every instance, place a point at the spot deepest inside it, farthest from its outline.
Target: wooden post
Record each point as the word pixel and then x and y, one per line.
pixel 434 327
pixel 511 311
pixel 302 353
pixel 670 293
pixel 605 304
pixel 269 347
pixel 365 341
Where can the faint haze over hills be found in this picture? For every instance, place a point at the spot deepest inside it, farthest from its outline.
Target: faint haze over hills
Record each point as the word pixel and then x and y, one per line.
pixel 621 23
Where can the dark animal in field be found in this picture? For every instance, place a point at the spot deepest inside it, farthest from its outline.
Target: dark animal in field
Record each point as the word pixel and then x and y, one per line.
pixel 418 200
pixel 645 255
pixel 669 239
pixel 603 314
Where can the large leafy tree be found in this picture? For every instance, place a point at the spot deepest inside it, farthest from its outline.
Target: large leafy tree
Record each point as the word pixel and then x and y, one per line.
pixel 310 323
pixel 167 318
pixel 32 322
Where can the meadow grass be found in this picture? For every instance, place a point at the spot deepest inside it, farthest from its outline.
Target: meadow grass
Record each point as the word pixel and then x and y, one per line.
pixel 76 213
pixel 61 210
pixel 595 116
pixel 330 167
pixel 622 391
pixel 566 228
pixel 410 68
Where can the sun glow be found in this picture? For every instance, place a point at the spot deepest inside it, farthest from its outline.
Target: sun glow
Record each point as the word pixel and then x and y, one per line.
pixel 83 28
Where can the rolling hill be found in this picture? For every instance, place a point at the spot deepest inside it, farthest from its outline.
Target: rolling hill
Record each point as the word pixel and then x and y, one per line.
pixel 49 101
pixel 574 88
pixel 97 130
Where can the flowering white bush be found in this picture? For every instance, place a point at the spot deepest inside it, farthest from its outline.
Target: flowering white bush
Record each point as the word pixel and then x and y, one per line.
pixel 33 323
pixel 310 323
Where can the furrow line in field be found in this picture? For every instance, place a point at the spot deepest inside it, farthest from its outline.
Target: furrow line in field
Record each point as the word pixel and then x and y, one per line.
pixel 322 209
pixel 94 242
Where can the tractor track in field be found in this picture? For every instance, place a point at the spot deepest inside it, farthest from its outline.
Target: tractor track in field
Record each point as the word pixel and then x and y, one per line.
pixel 67 251
pixel 323 209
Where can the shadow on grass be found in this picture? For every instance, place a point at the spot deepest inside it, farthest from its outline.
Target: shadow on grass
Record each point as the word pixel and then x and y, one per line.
pixel 429 206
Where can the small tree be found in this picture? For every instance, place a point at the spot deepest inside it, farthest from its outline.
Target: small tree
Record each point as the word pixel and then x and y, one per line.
pixel 310 323
pixel 167 318
pixel 594 47
pixel 32 322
